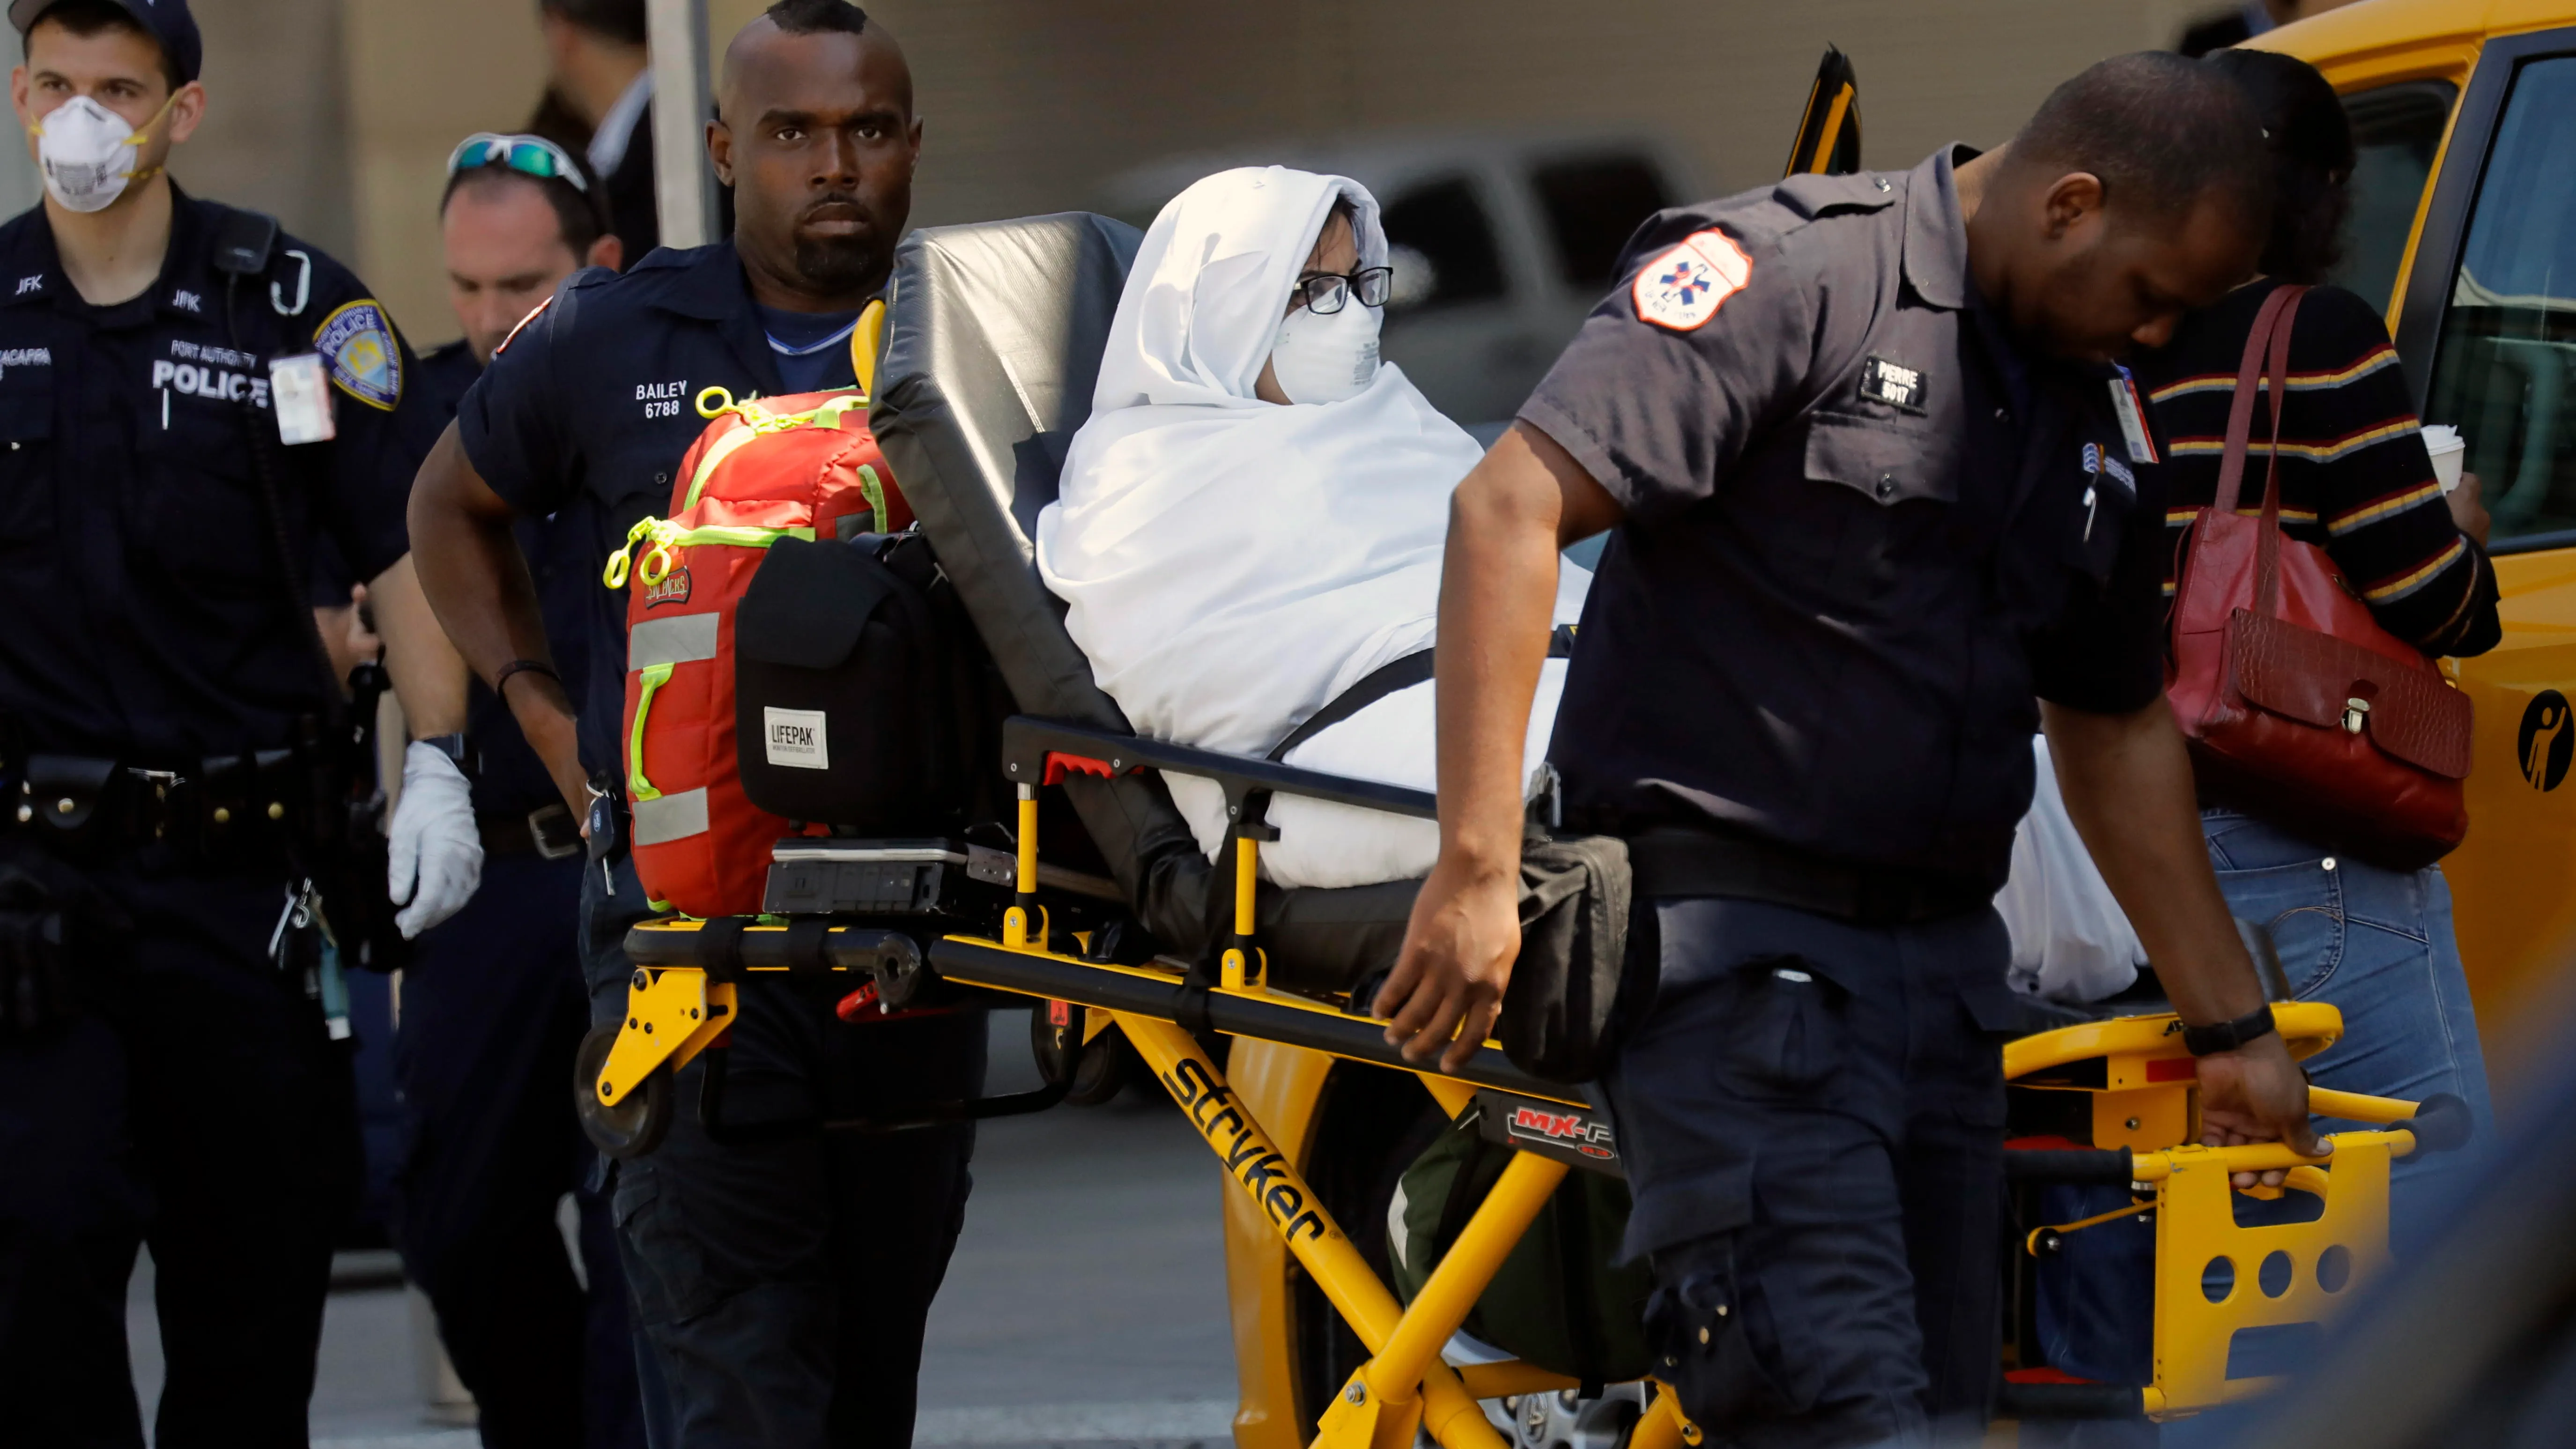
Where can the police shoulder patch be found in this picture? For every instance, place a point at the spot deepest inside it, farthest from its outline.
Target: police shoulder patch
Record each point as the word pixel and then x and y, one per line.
pixel 1684 286
pixel 358 346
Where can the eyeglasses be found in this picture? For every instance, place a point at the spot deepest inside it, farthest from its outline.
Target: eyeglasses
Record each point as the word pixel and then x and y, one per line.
pixel 1329 293
pixel 528 155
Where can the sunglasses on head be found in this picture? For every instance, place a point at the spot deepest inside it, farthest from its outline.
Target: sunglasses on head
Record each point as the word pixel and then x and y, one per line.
pixel 528 155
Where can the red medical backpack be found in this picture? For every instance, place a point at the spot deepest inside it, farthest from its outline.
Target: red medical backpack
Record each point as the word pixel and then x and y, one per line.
pixel 765 469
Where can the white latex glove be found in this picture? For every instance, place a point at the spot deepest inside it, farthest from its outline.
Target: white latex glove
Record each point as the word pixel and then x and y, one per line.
pixel 434 854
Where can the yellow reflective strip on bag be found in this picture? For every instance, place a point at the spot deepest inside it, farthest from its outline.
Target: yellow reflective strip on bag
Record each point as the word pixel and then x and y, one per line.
pixel 639 789
pixel 874 491
pixel 725 448
pixel 829 415
pixel 732 537
pixel 619 563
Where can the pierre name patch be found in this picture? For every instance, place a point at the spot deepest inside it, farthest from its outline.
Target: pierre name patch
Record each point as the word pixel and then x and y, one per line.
pixel 1682 288
pixel 357 345
pixel 1892 383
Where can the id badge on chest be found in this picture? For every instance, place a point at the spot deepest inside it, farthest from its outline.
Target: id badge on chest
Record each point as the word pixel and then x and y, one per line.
pixel 2132 413
pixel 300 389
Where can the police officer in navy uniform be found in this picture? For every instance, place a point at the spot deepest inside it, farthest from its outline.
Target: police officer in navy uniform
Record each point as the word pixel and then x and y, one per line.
pixel 189 400
pixel 493 1005
pixel 1870 490
pixel 783 1286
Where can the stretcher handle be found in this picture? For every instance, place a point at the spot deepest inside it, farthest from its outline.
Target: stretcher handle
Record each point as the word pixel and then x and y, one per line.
pixel 2440 1123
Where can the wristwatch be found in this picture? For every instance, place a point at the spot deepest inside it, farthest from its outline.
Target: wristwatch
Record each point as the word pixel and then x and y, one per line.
pixel 455 748
pixel 2227 1036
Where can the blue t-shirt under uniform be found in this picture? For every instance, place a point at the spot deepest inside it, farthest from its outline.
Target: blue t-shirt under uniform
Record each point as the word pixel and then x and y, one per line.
pixel 812 348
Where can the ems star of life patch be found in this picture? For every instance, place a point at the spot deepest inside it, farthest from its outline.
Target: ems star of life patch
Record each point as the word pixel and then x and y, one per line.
pixel 358 345
pixel 1681 289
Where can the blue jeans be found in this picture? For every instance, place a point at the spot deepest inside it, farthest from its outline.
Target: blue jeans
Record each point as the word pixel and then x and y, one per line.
pixel 2376 944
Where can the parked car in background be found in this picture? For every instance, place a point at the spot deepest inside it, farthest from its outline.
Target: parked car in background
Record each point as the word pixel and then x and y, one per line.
pixel 1500 244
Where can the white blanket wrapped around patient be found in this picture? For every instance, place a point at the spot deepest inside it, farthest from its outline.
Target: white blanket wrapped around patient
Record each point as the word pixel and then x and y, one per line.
pixel 1231 565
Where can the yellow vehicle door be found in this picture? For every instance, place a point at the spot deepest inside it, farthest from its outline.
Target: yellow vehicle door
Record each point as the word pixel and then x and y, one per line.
pixel 2485 315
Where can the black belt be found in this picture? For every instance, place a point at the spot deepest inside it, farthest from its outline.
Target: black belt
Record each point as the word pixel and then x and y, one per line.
pixel 548 831
pixel 244 809
pixel 1684 862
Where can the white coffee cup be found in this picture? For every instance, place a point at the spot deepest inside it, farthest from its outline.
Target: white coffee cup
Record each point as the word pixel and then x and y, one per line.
pixel 2449 450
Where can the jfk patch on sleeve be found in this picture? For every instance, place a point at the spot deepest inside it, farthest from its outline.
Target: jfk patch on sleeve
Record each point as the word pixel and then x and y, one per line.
pixel 1681 289
pixel 358 346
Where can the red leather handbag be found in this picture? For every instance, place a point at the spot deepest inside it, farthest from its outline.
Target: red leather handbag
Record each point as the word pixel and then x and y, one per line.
pixel 2293 698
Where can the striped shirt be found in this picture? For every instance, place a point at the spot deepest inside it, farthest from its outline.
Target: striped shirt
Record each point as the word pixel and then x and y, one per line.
pixel 2354 474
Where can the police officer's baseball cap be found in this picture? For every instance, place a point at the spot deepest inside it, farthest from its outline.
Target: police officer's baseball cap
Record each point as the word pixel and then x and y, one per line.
pixel 167 21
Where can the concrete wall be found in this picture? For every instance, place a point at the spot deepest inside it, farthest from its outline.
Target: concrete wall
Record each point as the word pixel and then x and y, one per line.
pixel 427 73
pixel 1029 104
pixel 338 114
pixel 276 136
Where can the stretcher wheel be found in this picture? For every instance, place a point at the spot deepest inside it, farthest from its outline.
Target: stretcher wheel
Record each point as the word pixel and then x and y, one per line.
pixel 633 1126
pixel 1057 1044
pixel 1090 1072
pixel 1102 1072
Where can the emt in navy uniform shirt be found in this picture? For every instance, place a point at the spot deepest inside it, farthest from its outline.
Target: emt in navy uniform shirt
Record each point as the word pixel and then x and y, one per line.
pixel 164 1076
pixel 493 1004
pixel 1871 493
pixel 784 1287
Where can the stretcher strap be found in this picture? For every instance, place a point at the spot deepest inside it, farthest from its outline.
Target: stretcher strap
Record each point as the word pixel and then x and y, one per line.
pixel 720 947
pixel 1389 678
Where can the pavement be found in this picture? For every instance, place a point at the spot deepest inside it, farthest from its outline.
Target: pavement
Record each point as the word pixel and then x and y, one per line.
pixel 1085 1304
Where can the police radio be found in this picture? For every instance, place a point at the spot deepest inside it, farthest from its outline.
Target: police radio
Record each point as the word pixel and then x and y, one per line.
pixel 344 840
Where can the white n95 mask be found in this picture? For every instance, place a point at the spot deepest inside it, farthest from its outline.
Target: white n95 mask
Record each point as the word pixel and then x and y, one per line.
pixel 1322 359
pixel 87 152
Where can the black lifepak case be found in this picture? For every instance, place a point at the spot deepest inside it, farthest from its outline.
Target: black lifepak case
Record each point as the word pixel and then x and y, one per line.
pixel 862 698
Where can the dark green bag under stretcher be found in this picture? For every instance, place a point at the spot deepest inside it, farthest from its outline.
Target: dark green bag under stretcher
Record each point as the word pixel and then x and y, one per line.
pixel 1557 1301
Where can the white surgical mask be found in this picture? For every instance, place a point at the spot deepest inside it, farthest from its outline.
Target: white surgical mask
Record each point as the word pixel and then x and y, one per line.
pixel 88 153
pixel 1328 358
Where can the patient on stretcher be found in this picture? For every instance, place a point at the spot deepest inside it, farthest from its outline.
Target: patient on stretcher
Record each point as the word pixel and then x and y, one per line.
pixel 1251 522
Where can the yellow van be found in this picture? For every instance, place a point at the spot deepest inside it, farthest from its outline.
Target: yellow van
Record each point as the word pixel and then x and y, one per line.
pixel 2465 223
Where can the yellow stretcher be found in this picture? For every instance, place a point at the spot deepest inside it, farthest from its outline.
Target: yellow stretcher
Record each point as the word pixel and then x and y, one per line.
pixel 2140 1128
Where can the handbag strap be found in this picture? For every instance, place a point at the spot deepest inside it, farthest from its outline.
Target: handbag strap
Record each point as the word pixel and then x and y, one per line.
pixel 2240 415
pixel 2266 359
pixel 2267 545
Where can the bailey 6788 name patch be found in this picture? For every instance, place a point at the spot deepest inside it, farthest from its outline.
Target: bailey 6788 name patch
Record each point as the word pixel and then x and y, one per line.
pixel 358 346
pixel 1681 289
